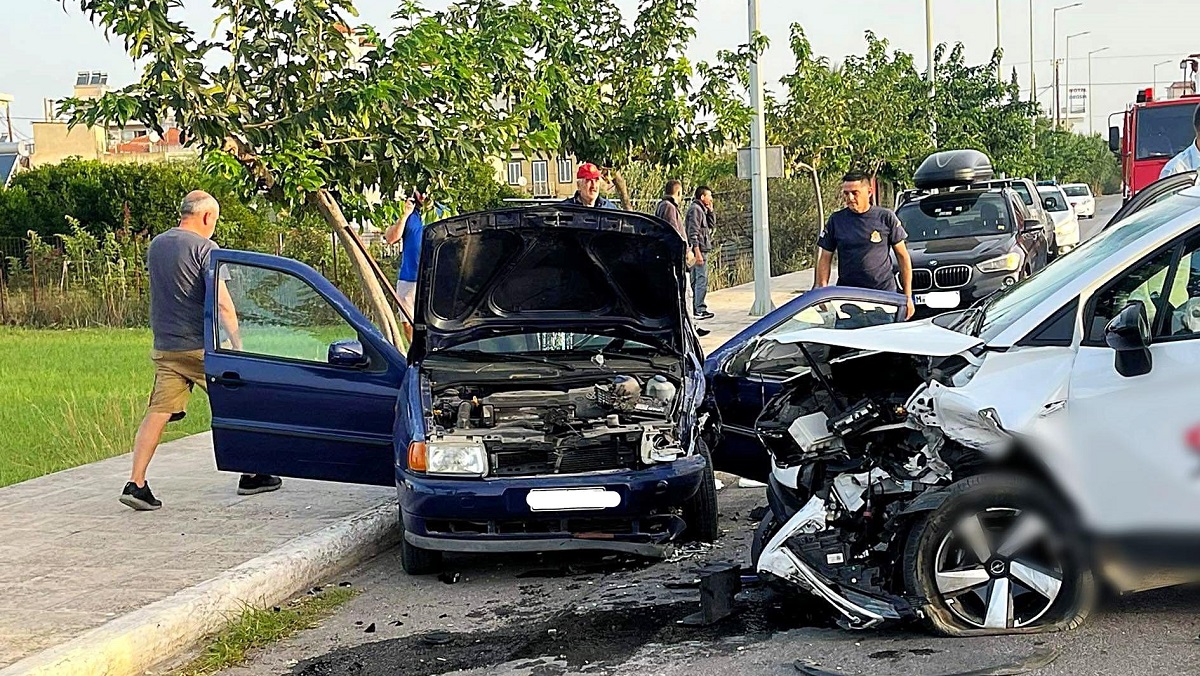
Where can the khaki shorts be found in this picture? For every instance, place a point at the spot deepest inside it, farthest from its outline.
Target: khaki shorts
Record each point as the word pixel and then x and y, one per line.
pixel 175 374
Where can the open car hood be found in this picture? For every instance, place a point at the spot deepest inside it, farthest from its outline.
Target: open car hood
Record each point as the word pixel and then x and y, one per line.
pixel 922 338
pixel 550 268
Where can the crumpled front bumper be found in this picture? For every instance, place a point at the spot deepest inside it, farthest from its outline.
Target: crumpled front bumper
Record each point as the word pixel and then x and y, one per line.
pixel 857 610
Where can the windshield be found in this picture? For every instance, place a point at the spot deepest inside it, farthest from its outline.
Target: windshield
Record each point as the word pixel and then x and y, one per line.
pixel 1164 131
pixel 972 214
pixel 1053 199
pixel 1076 191
pixel 1023 191
pixel 1008 306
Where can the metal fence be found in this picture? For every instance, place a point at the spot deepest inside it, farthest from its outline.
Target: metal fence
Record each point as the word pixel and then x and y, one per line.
pixel 11 246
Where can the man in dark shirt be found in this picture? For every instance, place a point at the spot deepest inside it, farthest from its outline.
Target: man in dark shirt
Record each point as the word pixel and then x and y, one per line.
pixel 864 237
pixel 587 193
pixel 699 224
pixel 178 262
pixel 668 210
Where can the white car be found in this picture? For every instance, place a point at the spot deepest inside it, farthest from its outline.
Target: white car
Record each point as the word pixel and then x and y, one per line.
pixel 987 469
pixel 1066 223
pixel 1081 198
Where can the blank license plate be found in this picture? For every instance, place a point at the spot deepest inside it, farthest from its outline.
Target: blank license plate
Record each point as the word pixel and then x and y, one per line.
pixel 941 300
pixel 569 499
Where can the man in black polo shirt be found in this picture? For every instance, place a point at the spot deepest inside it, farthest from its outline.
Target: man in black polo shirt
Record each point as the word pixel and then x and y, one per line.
pixel 864 237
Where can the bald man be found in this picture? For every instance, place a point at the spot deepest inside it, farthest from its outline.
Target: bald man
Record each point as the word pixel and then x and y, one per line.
pixel 177 260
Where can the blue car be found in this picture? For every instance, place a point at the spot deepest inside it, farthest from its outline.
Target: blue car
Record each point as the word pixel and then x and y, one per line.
pixel 549 399
pixel 752 367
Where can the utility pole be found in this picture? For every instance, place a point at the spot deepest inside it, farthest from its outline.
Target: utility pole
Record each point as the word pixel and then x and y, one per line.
pixel 1032 84
pixel 763 304
pixel 1068 69
pixel 999 70
pixel 1154 90
pixel 1054 56
pixel 932 80
pixel 1090 114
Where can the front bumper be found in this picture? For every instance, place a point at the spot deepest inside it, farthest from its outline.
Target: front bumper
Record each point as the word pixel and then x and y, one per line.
pixel 493 515
pixel 981 286
pixel 857 610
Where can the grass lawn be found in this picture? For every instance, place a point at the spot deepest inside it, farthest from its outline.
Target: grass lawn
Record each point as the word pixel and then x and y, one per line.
pixel 68 398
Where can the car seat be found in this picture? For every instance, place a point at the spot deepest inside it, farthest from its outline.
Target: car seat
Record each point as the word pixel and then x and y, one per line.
pixel 990 217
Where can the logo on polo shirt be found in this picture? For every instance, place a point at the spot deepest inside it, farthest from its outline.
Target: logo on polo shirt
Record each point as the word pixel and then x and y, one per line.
pixel 875 238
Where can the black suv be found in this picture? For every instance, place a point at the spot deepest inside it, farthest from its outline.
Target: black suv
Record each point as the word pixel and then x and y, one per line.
pixel 967 242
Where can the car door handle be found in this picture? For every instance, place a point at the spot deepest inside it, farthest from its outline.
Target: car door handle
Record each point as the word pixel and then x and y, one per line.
pixel 229 379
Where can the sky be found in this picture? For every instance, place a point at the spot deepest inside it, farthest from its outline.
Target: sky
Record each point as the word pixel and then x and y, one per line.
pixel 45 46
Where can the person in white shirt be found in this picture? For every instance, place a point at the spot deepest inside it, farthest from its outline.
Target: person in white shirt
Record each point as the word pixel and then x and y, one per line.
pixel 1189 159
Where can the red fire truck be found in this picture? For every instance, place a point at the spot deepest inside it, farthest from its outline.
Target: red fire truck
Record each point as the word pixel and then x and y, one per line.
pixel 1154 131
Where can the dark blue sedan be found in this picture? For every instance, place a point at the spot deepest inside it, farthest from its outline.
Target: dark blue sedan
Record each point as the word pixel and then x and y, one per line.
pixel 549 399
pixel 752 367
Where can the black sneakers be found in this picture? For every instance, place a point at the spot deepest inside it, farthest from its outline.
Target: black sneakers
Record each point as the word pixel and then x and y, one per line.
pixel 704 315
pixel 140 499
pixel 252 484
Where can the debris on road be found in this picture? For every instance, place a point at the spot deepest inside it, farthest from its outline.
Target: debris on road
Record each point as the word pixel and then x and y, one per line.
pixel 449 578
pixel 370 629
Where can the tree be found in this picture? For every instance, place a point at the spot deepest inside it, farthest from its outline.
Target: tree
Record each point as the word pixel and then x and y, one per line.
pixel 812 122
pixel 292 103
pixel 620 94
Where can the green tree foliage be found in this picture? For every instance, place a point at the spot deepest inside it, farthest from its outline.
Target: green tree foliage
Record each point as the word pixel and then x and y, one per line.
pixel 621 93
pixel 137 198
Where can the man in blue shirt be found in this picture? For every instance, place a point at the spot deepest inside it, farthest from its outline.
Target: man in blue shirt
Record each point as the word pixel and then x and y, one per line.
pixel 410 228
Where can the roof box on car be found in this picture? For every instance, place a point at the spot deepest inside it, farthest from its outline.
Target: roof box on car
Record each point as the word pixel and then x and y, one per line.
pixel 953 168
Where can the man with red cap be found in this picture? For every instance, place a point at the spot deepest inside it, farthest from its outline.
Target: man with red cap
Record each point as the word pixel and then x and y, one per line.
pixel 587 193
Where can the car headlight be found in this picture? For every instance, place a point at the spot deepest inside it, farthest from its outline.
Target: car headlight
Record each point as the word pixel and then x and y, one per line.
pixel 1006 263
pixel 456 457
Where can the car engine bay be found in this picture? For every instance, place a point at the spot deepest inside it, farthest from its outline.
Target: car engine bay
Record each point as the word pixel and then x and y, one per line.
pixel 855 442
pixel 619 422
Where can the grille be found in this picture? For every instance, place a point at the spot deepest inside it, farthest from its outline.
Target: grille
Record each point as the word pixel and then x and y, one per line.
pixel 952 276
pixel 545 459
pixel 922 280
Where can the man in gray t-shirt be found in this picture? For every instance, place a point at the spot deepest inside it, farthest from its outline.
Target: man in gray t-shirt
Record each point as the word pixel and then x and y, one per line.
pixel 178 262
pixel 865 238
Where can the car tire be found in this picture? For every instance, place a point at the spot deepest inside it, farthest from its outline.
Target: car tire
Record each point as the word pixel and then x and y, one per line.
pixel 960 596
pixel 415 560
pixel 700 510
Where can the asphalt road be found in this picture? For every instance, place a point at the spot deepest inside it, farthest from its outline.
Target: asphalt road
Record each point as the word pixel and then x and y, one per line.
pixel 602 614
pixel 1106 207
pixel 605 614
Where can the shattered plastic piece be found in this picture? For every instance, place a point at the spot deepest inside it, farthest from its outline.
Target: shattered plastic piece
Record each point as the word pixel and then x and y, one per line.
pixel 688 551
pixel 720 484
pixel 811 668
pixel 370 629
pixel 449 578
pixel 397 623
pixel 344 584
pixel 750 483
pixel 718 586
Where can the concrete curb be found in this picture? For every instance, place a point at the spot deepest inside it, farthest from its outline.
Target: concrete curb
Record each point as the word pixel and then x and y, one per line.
pixel 149 636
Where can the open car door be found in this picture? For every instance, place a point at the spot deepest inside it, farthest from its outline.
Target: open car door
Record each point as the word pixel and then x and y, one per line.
pixel 306 386
pixel 751 368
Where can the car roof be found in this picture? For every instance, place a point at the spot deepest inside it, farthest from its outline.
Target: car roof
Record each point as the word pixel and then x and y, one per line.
pixel 951 194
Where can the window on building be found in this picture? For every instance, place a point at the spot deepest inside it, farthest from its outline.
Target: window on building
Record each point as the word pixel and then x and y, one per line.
pixel 566 169
pixel 541 178
pixel 514 172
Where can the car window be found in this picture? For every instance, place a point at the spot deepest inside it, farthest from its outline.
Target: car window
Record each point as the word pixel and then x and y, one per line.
pixel 1053 199
pixel 1183 303
pixel 1144 282
pixel 956 215
pixel 280 315
pixel 1077 191
pixel 836 314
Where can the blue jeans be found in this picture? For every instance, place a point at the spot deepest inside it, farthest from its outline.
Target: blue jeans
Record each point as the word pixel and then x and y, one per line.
pixel 699 288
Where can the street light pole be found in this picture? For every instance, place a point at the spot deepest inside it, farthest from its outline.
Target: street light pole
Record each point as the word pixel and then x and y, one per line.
pixel 763 304
pixel 932 81
pixel 1090 114
pixel 1068 67
pixel 1154 91
pixel 1032 74
pixel 999 70
pixel 1054 55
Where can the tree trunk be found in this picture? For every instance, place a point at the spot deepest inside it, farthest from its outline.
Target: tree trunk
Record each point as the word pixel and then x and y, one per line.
pixel 383 312
pixel 622 190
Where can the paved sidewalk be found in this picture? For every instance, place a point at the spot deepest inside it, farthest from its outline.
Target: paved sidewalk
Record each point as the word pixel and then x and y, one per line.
pixel 74 561
pixel 73 558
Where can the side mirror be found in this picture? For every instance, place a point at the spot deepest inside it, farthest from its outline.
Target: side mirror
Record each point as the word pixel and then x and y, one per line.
pixel 1129 335
pixel 1114 139
pixel 348 354
pixel 1031 225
